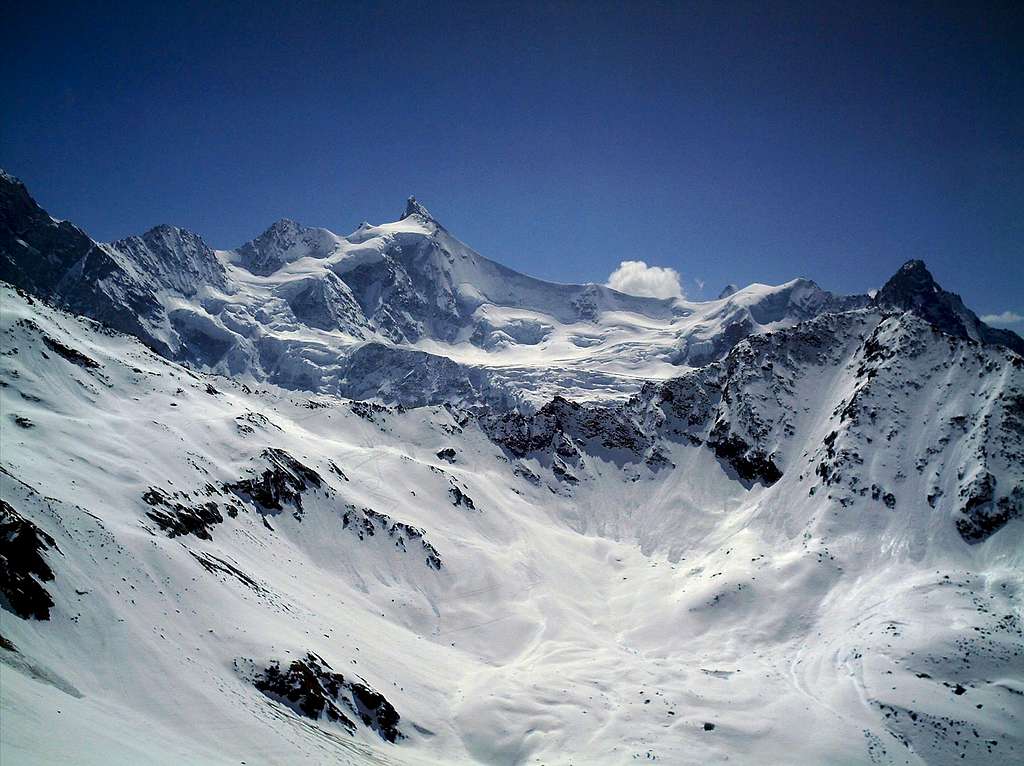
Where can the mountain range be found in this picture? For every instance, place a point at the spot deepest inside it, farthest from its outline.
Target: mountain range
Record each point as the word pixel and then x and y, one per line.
pixel 378 499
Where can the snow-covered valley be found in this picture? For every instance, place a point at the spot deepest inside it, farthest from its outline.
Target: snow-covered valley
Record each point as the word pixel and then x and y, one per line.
pixel 449 514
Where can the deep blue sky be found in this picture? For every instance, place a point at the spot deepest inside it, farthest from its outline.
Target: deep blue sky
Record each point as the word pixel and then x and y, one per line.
pixel 731 142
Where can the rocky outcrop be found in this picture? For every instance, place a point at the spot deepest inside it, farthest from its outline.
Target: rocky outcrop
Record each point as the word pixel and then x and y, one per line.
pixel 983 512
pixel 366 523
pixel 311 688
pixel 177 513
pixel 561 426
pixel 280 484
pixel 23 566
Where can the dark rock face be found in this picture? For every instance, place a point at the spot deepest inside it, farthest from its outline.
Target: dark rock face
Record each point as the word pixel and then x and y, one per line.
pixel 366 522
pixel 176 258
pixel 984 514
pixel 461 498
pixel 311 688
pixel 719 405
pixel 415 207
pixel 175 516
pixel 72 355
pixel 913 288
pixel 681 408
pixel 57 261
pixel 561 432
pixel 750 464
pixel 281 484
pixel 376 712
pixel 559 424
pixel 22 566
pixel 35 250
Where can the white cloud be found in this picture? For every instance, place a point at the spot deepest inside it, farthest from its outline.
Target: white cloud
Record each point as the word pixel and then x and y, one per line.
pixel 637 278
pixel 1007 317
pixel 699 283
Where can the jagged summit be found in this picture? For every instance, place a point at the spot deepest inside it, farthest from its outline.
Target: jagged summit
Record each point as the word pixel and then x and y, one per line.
pixel 413 207
pixel 913 288
pixel 162 229
pixel 173 258
pixel 283 242
pixel 284 224
pixel 912 281
pixel 8 178
pixel 167 231
pixel 728 290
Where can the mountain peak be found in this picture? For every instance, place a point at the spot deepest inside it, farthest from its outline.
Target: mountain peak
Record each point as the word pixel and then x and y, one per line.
pixel 913 288
pixel 283 226
pixel 914 275
pixel 167 239
pixel 173 258
pixel 910 287
pixel 162 228
pixel 914 265
pixel 415 207
pixel 8 178
pixel 166 230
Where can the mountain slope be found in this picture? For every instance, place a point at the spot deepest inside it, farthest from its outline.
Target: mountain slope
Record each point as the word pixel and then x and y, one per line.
pixel 246 574
pixel 376 499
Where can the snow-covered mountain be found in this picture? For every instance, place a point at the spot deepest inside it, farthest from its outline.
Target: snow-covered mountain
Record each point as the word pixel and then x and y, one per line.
pixel 307 309
pixel 377 499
